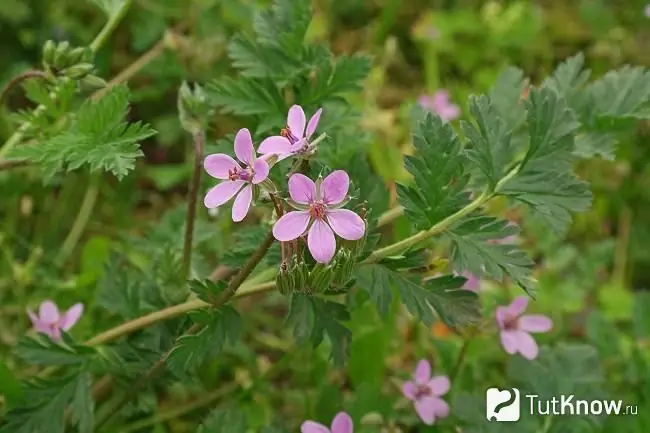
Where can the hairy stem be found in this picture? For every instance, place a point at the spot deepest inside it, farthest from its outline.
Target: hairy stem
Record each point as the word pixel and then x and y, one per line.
pixel 199 141
pixel 110 26
pixel 390 215
pixel 82 218
pixel 220 300
pixel 467 340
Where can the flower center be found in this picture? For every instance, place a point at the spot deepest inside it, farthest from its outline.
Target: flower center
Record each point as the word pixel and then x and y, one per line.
pixel 422 391
pixel 237 173
pixel 510 323
pixel 286 133
pixel 317 210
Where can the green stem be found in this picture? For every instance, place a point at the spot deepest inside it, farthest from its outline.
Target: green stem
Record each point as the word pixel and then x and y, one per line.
pixel 199 140
pixel 461 356
pixel 81 220
pixel 110 26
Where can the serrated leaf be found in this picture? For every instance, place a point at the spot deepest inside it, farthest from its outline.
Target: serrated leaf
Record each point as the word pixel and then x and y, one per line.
pixel 225 421
pixel 312 318
pixel 591 144
pixel 83 404
pixel 246 96
pixel 98 137
pixel 624 92
pixel 284 25
pixel 438 174
pixel 569 79
pixel 244 243
pixel 42 350
pixel 223 331
pixel 207 290
pixel 489 140
pixel 476 248
pixel 456 306
pixel 336 77
pixel 10 386
pixel 256 61
pixel 505 97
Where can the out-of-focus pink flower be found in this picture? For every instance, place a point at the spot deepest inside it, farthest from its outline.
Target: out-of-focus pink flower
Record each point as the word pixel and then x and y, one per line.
pixel 342 423
pixel 516 328
pixel 426 391
pixel 473 282
pixel 295 137
pixel 238 177
pixel 646 11
pixel 439 103
pixel 49 321
pixel 319 204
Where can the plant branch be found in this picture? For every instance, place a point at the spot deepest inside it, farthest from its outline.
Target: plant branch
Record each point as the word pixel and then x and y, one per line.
pixel 199 141
pixel 110 26
pixel 390 215
pixel 467 340
pixel 19 79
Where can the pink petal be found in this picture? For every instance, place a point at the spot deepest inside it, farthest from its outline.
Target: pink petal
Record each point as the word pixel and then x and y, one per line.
pixel 313 123
pixel 449 112
pixel 54 333
pixel 439 385
pixel 301 188
pixel 441 97
pixel 218 165
pixel 291 225
pixel 221 193
pixel 535 323
pixel 509 341
pixel 242 204
pixel 276 144
pixel 261 169
pixel 342 423
pixel 296 121
pixel 526 345
pixel 71 317
pixel 346 224
pixel 335 187
pixel 244 146
pixel 313 427
pixel 422 372
pixel 425 408
pixel 48 313
pixel 36 323
pixel 472 283
pixel 501 315
pixel 321 242
pixel 440 408
pixel 408 389
pixel 518 306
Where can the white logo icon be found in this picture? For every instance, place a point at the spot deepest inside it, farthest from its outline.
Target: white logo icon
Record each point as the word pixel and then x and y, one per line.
pixel 502 405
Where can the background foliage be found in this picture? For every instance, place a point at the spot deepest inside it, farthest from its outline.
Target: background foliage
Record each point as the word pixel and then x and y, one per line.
pixel 381 55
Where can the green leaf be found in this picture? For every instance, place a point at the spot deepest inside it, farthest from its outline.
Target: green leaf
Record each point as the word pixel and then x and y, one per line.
pixel 222 329
pixel 83 404
pixel 490 139
pixel 41 350
pixel 569 79
pixel 336 77
pixel 256 61
pixel 246 96
pixel 590 144
pixel 312 318
pixel 207 290
pixel 476 248
pixel 10 386
pixel 624 92
pixel 244 243
pixel 284 25
pixel 438 174
pixel 225 421
pixel 99 137
pixel 109 7
pixel 641 317
pixel 45 405
pixel 505 97
pixel 456 306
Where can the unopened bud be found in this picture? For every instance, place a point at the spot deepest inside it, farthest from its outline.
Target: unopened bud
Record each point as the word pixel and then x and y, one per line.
pixel 320 277
pixel 359 245
pixel 77 72
pixel 48 53
pixel 345 262
pixel 75 55
pixel 372 419
pixel 193 108
pixel 60 60
pixel 300 273
pixel 284 280
pixel 94 81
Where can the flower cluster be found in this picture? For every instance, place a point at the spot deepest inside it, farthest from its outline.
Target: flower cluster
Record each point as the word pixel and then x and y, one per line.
pixel 318 205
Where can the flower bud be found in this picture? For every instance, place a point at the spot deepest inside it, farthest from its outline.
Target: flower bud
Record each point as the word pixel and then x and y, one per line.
pixel 193 108
pixel 345 262
pixel 75 55
pixel 300 273
pixel 77 72
pixel 93 81
pixel 284 280
pixel 60 60
pixel 320 277
pixel 48 52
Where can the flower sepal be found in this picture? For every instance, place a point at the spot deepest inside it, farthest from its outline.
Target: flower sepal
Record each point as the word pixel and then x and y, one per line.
pixel 321 277
pixel 284 280
pixel 344 262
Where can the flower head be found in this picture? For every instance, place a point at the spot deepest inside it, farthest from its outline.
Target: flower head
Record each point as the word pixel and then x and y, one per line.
pixel 238 177
pixel 342 423
pixel 439 103
pixel 295 137
pixel 516 328
pixel 425 392
pixel 49 321
pixel 319 214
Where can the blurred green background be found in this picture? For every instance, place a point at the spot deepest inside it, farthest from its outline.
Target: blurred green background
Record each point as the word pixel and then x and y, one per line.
pixel 593 282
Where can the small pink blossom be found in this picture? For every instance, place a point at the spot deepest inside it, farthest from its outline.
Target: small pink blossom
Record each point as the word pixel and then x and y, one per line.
pixel 439 103
pixel 319 204
pixel 239 177
pixel 473 282
pixel 426 391
pixel 295 137
pixel 49 321
pixel 516 328
pixel 342 423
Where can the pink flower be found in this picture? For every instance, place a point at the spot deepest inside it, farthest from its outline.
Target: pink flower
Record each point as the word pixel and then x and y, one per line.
pixel 439 103
pixel 473 282
pixel 516 328
pixel 49 321
pixel 342 423
pixel 295 137
pixel 239 177
pixel 319 204
pixel 425 392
